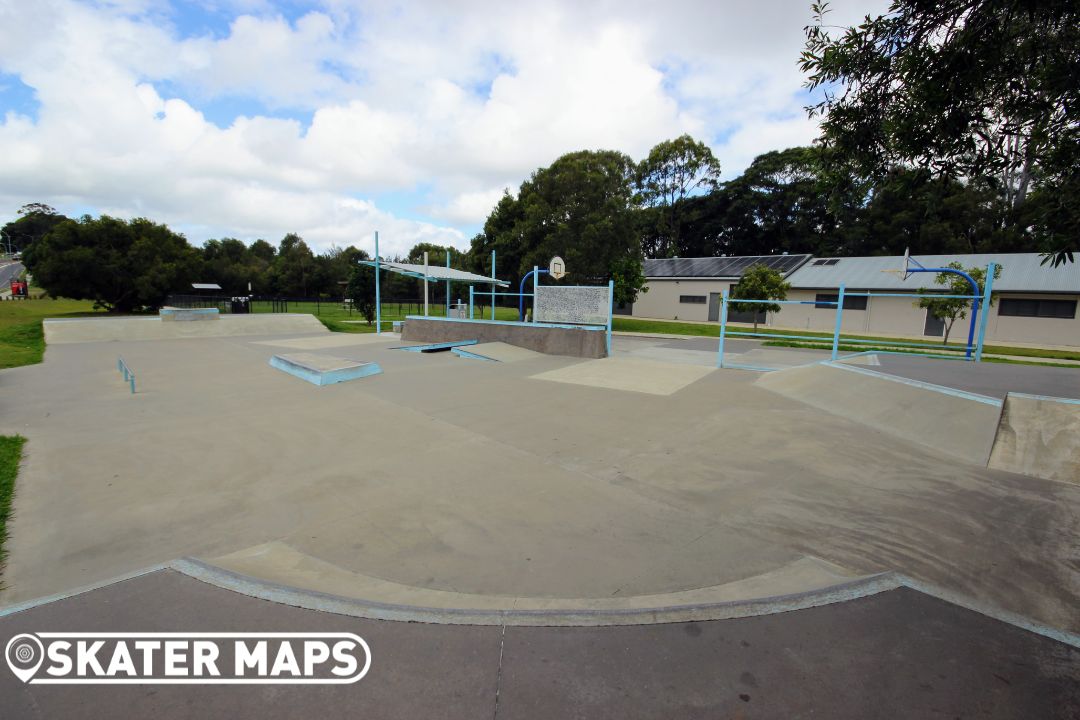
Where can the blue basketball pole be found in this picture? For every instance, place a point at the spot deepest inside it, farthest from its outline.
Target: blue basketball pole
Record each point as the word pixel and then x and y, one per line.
pixel 447 313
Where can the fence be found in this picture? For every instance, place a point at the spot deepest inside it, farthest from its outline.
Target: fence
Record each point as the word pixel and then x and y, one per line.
pixel 973 348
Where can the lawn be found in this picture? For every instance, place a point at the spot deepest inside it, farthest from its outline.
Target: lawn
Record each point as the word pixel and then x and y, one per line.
pixel 10 455
pixel 22 341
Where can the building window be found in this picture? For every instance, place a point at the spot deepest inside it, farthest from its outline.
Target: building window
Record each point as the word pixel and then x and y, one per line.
pixel 1017 307
pixel 851 302
pixel 692 299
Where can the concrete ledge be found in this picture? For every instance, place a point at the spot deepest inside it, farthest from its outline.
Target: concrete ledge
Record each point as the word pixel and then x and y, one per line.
pixel 322 369
pixel 570 340
pixel 171 314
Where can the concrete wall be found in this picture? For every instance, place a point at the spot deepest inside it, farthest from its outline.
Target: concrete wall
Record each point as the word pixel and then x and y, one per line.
pixel 552 340
pixel 883 315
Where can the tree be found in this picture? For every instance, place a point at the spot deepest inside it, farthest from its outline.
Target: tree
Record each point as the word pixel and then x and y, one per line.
pixel 948 310
pixel 120 265
pixel 581 208
pixel 34 222
pixel 361 290
pixel 759 282
pixel 976 89
pixel 293 266
pixel 674 170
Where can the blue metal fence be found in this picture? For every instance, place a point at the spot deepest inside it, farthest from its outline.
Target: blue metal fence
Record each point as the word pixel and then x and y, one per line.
pixel 973 347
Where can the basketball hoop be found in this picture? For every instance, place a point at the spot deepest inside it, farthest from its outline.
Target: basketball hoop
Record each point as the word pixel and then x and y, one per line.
pixel 557 268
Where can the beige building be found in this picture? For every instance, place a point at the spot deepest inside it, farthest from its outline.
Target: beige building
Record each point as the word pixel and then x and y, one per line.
pixel 1033 303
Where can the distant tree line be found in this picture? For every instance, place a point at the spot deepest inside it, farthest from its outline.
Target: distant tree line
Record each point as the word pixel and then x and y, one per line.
pixel 126 265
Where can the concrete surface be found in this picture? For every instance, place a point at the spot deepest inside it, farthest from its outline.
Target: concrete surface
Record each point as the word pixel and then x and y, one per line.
pixel 629 374
pixel 896 655
pixel 963 427
pixel 473 478
pixel 85 330
pixel 992 379
pixel 547 339
pixel 1039 436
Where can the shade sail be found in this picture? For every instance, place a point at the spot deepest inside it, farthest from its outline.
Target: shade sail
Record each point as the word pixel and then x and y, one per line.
pixel 436 273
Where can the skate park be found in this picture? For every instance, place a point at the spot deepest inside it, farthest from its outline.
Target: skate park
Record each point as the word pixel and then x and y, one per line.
pixel 488 485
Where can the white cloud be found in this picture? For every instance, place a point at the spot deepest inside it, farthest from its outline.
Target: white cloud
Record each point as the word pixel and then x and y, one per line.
pixel 451 101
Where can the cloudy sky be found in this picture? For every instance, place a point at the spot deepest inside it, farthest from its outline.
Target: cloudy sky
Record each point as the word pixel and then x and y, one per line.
pixel 336 118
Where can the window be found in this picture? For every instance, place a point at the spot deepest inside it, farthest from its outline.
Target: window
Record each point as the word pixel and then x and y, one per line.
pixel 824 300
pixel 692 299
pixel 1016 307
pixel 826 261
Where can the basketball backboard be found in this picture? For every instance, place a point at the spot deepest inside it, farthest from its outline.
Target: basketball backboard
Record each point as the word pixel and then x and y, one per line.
pixel 557 268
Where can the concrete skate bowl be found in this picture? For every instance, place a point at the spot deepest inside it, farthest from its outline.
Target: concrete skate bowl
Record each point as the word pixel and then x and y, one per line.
pixel 83 330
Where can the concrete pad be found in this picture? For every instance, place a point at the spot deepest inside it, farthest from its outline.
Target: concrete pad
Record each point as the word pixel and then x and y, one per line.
pixel 684 356
pixel 83 330
pixel 1039 436
pixel 326 342
pixel 503 352
pixel 958 424
pixel 628 374
pixel 323 369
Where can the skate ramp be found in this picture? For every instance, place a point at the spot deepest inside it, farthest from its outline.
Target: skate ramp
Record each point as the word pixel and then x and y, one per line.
pixel 82 330
pixel 954 422
pixel 499 352
pixel 1038 436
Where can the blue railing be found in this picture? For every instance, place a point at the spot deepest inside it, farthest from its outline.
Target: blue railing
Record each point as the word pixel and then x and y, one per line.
pixel 129 376
pixel 973 348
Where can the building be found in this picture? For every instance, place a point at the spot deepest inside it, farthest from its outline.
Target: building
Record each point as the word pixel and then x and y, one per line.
pixel 690 288
pixel 1034 303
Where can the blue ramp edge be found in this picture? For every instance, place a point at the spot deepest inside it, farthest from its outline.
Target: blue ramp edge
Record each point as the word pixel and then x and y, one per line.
pixel 324 377
pixel 436 347
pixel 470 355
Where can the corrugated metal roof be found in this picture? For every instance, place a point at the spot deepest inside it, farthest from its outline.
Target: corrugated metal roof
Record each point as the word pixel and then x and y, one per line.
pixel 1020 272
pixel 719 267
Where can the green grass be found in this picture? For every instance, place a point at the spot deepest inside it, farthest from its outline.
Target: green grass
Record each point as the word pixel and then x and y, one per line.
pixel 22 341
pixel 10 454
pixel 713 330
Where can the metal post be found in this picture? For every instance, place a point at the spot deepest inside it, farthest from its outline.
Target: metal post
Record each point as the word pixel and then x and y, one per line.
pixel 447 313
pixel 536 277
pixel 132 383
pixel 378 298
pixel 470 302
pixel 839 318
pixel 425 284
pixel 723 328
pixel 610 311
pixel 988 284
pixel 492 284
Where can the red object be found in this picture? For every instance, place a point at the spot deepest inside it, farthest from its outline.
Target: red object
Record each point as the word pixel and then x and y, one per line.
pixel 18 288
